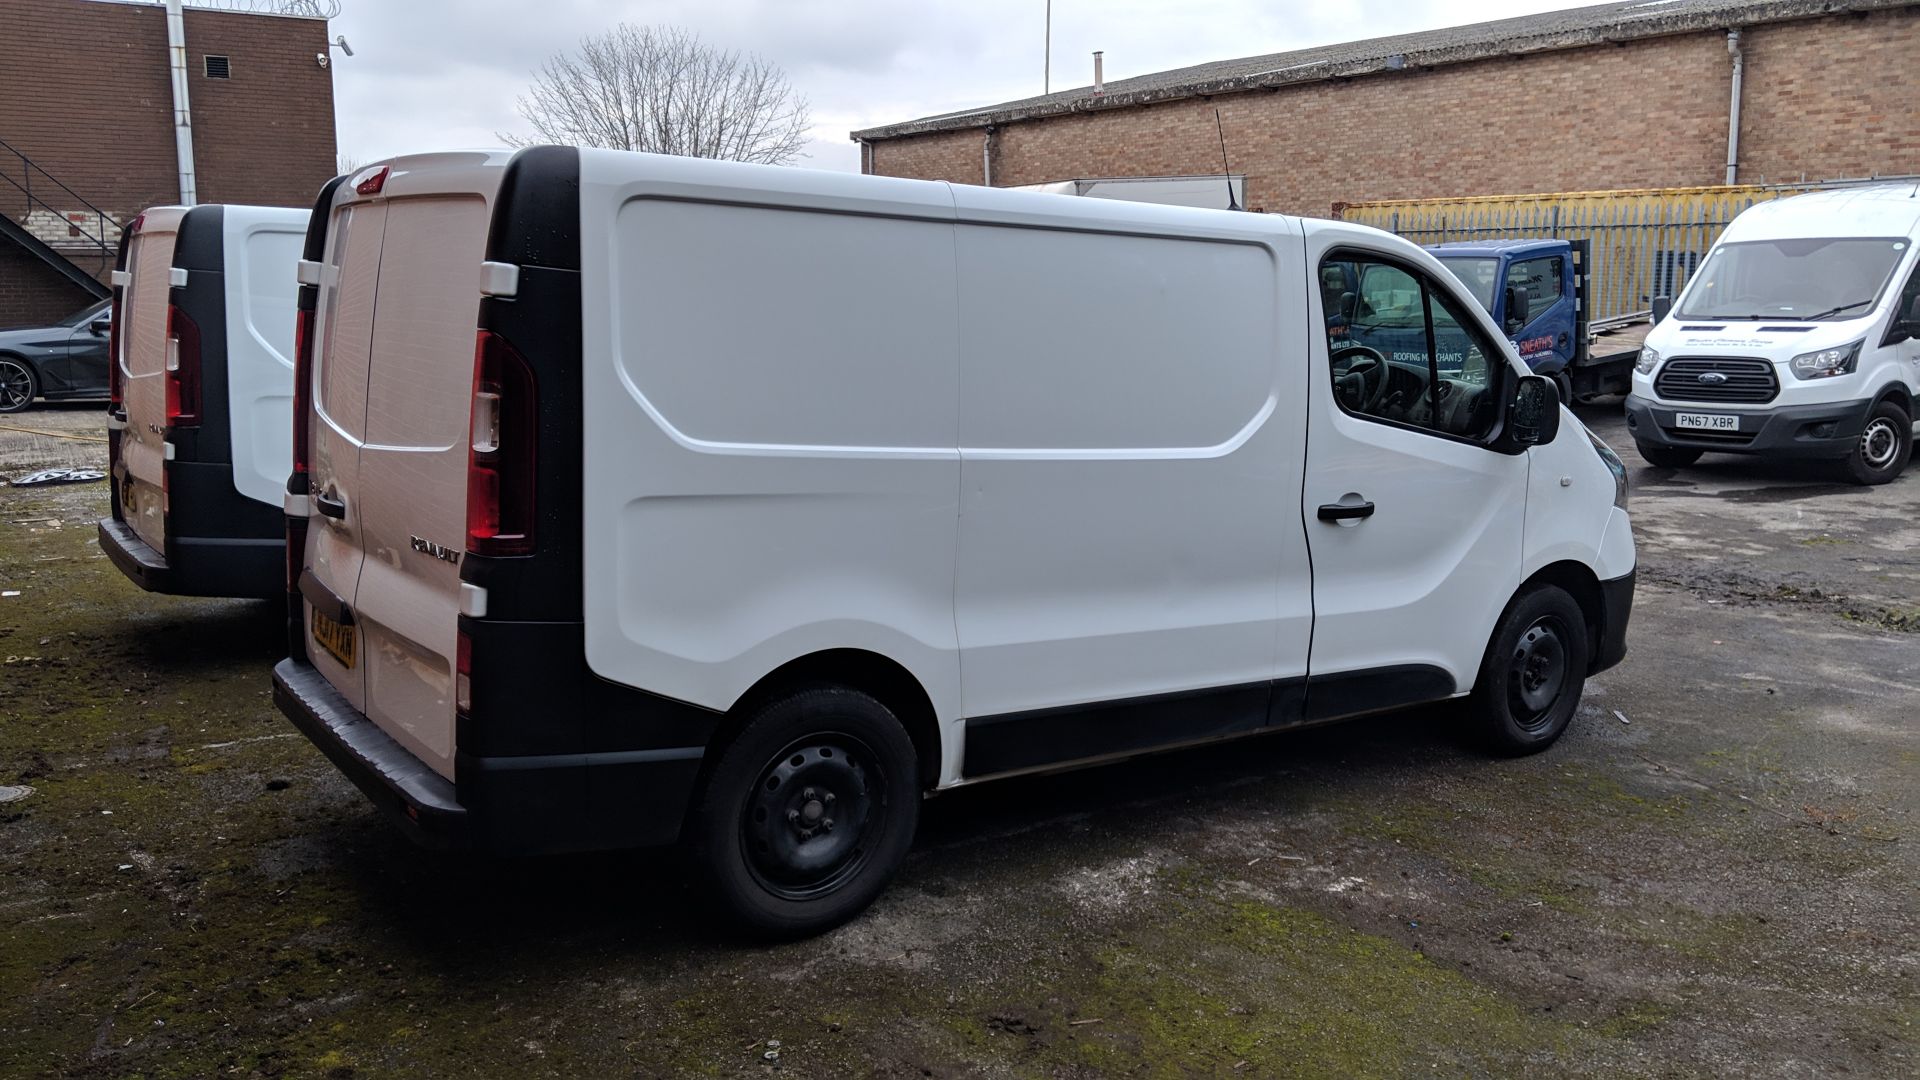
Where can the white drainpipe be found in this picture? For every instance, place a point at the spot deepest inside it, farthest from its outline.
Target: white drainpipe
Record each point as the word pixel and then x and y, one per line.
pixel 182 117
pixel 1733 108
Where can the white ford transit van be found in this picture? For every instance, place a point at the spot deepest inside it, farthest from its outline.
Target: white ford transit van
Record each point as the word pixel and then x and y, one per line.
pixel 202 399
pixel 646 498
pixel 1799 337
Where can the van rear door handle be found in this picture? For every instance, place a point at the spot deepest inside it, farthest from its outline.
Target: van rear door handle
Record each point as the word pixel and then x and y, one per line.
pixel 1345 511
pixel 330 506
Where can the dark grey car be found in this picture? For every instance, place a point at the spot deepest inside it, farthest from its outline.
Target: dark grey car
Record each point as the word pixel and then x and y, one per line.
pixel 63 361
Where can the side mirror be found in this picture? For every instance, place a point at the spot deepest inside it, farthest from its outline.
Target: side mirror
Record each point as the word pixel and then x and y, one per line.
pixel 1533 417
pixel 101 327
pixel 1662 307
pixel 1517 306
pixel 1906 322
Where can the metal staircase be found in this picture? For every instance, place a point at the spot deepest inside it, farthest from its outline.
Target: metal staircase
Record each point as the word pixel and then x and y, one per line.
pixel 54 223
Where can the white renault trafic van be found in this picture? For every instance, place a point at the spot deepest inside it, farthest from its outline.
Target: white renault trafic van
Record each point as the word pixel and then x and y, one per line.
pixel 647 498
pixel 202 399
pixel 1798 337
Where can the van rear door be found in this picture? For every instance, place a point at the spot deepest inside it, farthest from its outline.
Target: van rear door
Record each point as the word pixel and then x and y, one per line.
pixel 413 464
pixel 141 476
pixel 343 332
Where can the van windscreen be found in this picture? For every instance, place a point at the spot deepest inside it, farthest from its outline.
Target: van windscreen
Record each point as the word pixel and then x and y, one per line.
pixel 1804 278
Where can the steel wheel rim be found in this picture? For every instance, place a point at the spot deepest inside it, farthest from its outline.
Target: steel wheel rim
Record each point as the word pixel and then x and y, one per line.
pixel 809 821
pixel 1879 443
pixel 1538 672
pixel 16 385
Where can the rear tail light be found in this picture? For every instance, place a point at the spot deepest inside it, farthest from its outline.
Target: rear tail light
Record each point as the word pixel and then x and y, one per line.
pixel 302 388
pixel 372 181
pixel 116 387
pixel 500 455
pixel 183 370
pixel 463 675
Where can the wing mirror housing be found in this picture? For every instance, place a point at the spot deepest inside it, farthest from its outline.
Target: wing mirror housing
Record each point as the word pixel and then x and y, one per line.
pixel 1662 307
pixel 1533 415
pixel 1518 305
pixel 101 327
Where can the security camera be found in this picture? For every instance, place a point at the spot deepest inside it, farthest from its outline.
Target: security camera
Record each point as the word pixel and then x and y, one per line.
pixel 322 59
pixel 340 42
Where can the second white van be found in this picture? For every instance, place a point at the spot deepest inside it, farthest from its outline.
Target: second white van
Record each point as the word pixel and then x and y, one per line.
pixel 644 499
pixel 201 383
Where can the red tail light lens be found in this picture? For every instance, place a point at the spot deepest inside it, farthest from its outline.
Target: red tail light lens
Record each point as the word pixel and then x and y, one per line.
pixel 500 450
pixel 116 388
pixel 302 386
pixel 183 370
pixel 371 181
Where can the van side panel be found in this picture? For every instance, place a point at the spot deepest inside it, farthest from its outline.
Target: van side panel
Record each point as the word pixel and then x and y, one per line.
pixel 260 282
pixel 770 425
pixel 1132 432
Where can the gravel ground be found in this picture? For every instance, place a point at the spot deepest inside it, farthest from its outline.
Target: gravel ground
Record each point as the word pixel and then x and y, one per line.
pixel 1716 873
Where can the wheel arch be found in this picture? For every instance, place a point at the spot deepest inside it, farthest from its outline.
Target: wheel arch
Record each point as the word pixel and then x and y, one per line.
pixel 1580 582
pixel 1898 394
pixel 885 679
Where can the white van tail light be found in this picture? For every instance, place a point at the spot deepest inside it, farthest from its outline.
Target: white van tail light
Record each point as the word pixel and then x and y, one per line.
pixel 500 450
pixel 116 376
pixel 302 386
pixel 183 369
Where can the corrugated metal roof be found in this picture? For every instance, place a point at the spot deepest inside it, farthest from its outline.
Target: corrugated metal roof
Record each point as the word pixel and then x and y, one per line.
pixel 1552 30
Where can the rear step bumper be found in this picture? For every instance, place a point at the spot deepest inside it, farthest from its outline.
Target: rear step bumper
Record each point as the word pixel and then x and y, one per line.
pixel 519 805
pixel 419 800
pixel 202 566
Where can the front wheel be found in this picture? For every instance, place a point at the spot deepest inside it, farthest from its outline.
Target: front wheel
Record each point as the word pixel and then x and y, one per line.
pixel 807 813
pixel 17 385
pixel 1884 447
pixel 1667 457
pixel 1533 673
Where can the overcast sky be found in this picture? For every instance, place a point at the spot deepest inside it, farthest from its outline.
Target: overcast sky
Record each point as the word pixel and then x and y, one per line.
pixel 432 74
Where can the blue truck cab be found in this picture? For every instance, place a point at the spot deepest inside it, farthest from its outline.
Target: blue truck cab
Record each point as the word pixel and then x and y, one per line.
pixel 1532 289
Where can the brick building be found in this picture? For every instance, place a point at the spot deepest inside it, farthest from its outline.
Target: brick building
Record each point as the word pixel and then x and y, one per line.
pixel 1621 95
pixel 87 122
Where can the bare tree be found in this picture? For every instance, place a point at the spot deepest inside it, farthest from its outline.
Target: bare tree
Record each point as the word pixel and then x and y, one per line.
pixel 665 91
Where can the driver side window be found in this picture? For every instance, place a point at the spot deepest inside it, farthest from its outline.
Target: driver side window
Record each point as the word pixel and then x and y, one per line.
pixel 1403 352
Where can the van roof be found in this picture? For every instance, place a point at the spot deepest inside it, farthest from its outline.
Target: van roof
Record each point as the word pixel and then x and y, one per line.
pixel 1877 210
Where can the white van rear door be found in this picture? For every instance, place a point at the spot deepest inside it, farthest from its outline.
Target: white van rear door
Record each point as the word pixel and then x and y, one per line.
pixel 143 445
pixel 343 331
pixel 413 466
pixel 261 254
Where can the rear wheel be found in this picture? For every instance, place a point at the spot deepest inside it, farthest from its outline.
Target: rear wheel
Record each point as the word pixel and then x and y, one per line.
pixel 1667 457
pixel 808 812
pixel 1884 447
pixel 1533 673
pixel 1563 379
pixel 17 385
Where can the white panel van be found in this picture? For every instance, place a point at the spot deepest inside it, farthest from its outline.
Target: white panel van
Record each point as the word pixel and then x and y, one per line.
pixel 647 499
pixel 1799 337
pixel 199 432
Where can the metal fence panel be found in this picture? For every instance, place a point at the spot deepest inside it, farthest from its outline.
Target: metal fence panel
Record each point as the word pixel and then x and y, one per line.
pixel 1646 243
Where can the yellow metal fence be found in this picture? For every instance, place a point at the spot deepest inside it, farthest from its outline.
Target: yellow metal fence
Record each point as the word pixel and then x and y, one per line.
pixel 1646 243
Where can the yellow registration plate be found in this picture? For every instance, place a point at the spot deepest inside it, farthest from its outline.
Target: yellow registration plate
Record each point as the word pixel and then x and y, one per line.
pixel 336 639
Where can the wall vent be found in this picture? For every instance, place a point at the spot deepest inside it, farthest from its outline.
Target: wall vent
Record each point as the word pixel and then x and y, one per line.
pixel 218 67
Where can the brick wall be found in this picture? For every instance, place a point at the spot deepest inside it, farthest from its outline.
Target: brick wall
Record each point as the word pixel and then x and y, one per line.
pixel 1821 97
pixel 31 292
pixel 85 92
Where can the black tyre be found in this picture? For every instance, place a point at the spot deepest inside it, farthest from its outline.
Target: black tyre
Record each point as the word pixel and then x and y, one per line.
pixel 18 386
pixel 807 813
pixel 1534 671
pixel 1667 457
pixel 1885 445
pixel 1564 381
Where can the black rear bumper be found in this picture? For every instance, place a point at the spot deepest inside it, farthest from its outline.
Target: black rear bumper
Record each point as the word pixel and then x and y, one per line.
pixel 1616 608
pixel 520 805
pixel 201 566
